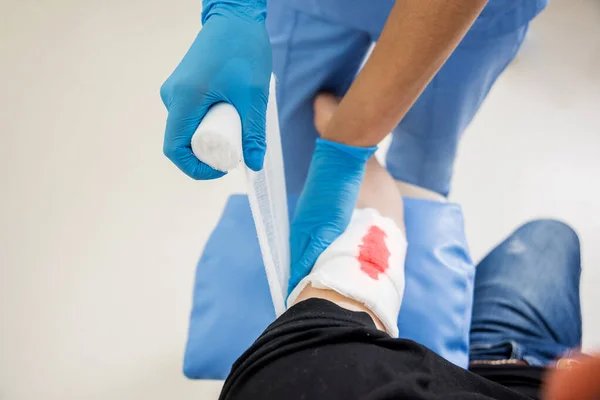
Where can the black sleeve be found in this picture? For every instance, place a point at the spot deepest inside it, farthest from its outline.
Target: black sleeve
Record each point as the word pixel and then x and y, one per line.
pixel 317 350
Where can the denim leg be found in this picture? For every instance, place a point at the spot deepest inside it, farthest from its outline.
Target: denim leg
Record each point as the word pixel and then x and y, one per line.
pixel 310 55
pixel 526 303
pixel 425 143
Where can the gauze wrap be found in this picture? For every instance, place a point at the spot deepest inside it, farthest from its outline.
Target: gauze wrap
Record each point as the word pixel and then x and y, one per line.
pixel 366 264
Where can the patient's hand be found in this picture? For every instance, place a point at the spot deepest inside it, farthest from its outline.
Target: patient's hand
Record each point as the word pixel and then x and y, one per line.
pixel 580 380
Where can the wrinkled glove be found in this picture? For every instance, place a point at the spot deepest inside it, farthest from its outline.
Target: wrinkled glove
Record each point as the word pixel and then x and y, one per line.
pixel 229 61
pixel 326 203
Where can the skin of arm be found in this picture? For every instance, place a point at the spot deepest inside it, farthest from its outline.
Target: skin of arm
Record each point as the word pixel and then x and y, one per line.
pixel 417 39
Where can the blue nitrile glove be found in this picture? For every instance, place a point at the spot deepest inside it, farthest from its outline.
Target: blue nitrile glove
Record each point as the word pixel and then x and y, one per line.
pixel 326 204
pixel 229 61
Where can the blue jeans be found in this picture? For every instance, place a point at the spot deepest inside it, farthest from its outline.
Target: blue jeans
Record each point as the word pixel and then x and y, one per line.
pixel 526 304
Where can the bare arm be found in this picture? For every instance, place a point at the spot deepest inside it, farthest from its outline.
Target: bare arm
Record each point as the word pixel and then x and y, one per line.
pixel 417 39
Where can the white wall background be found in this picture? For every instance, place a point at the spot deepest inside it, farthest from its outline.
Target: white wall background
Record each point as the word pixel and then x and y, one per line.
pixel 100 234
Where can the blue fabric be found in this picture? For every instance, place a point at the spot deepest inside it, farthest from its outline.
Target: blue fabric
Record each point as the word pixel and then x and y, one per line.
pixel 425 143
pixel 309 55
pixel 229 61
pixel 497 18
pixel 232 303
pixel 326 204
pixel 314 52
pixel 527 296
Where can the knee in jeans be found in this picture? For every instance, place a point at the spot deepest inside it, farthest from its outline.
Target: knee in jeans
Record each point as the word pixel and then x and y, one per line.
pixel 553 235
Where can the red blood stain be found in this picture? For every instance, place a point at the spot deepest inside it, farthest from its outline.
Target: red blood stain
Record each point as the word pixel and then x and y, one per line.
pixel 374 254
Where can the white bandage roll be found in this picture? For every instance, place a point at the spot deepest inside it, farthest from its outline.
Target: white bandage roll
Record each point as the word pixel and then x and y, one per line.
pixel 218 139
pixel 218 143
pixel 366 264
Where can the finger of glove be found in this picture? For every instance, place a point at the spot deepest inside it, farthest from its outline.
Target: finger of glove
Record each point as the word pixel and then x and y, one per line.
pixel 181 125
pixel 254 131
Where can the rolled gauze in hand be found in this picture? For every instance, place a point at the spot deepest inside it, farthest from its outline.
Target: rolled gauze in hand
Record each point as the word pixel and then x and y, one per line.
pixel 218 143
pixel 218 140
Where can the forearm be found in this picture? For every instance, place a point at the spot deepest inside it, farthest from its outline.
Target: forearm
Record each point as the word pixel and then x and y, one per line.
pixel 378 191
pixel 416 41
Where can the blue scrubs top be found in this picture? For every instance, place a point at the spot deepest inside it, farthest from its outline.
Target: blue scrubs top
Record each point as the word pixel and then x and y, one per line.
pixel 498 17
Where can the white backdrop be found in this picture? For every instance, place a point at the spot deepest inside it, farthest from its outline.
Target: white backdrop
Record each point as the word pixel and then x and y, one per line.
pixel 100 234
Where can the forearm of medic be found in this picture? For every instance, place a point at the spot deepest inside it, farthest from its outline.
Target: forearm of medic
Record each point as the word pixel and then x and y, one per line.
pixel 417 39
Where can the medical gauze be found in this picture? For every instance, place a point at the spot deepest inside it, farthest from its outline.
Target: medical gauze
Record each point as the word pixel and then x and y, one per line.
pixel 218 143
pixel 366 264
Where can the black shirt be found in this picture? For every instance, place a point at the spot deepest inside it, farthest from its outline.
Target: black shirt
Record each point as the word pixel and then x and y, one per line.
pixel 318 350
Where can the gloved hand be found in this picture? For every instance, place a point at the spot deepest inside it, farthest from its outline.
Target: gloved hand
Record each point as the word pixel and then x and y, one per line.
pixel 326 203
pixel 229 61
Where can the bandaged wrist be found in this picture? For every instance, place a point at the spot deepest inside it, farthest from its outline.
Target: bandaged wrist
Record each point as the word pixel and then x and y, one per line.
pixel 365 264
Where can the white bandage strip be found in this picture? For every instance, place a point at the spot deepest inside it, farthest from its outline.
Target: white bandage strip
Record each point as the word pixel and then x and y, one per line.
pixel 218 143
pixel 366 264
